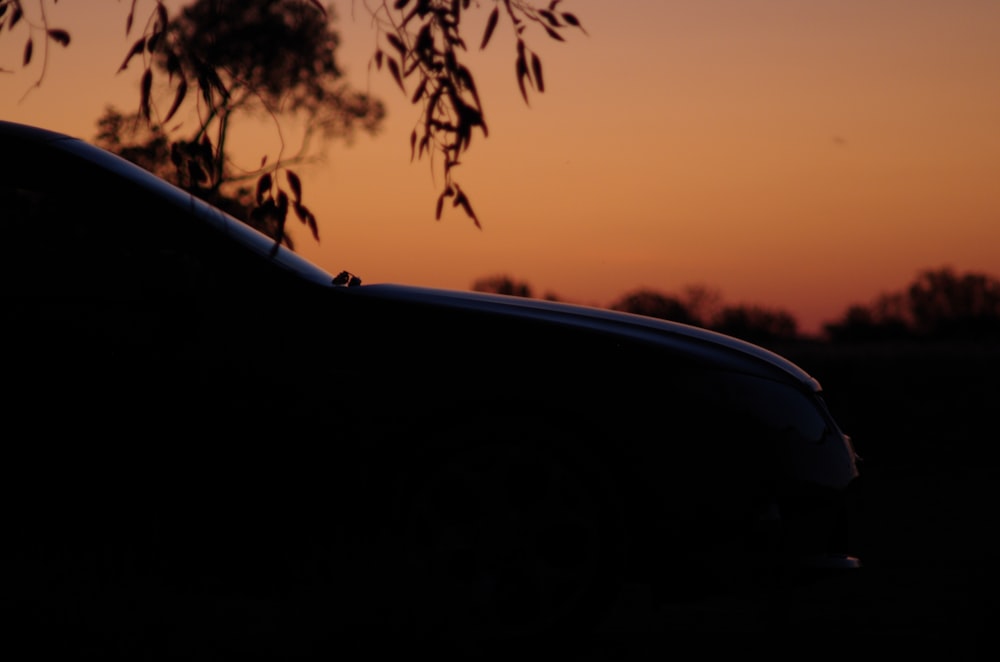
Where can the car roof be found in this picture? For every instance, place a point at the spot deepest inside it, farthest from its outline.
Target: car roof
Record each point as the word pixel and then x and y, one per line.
pixel 711 347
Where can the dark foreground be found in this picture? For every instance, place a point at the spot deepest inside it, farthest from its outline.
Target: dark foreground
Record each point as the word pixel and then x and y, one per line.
pixel 921 416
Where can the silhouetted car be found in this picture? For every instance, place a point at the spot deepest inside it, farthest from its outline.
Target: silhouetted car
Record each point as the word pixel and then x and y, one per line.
pixel 209 439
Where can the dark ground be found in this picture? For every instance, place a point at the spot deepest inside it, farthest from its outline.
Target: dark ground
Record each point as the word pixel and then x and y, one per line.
pixel 923 417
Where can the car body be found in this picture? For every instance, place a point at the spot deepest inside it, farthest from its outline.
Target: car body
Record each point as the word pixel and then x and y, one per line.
pixel 198 415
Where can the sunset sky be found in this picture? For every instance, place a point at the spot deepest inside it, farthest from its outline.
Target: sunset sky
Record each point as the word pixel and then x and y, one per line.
pixel 801 155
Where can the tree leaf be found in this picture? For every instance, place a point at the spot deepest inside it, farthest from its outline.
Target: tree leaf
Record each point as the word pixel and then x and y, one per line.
pixel 263 187
pixel 552 33
pixel 400 4
pixel 419 92
pixel 463 202
pixel 137 48
pixel 178 98
pixel 216 81
pixel 394 69
pixel 161 15
pixel 296 184
pixel 206 90
pixel 522 70
pixel 440 205
pixel 491 25
pixel 308 218
pixel 572 20
pixel 173 64
pixel 424 41
pixel 536 69
pixel 550 17
pixel 413 66
pixel 60 36
pixel 466 80
pixel 145 87
pixel 397 43
pixel 409 17
pixel 29 47
pixel 15 17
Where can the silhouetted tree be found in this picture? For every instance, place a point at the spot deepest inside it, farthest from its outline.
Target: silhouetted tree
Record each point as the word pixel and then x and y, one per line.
pixel 939 303
pixel 755 323
pixel 182 163
pixel 861 323
pixel 702 302
pixel 946 304
pixel 148 146
pixel 655 304
pixel 423 42
pixel 701 306
pixel 144 144
pixel 247 58
pixel 420 43
pixel 503 284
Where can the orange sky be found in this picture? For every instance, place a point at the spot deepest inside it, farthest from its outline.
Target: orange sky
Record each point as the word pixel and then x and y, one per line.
pixel 798 155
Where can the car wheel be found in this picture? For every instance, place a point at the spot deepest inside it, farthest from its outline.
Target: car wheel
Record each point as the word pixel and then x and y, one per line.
pixel 506 537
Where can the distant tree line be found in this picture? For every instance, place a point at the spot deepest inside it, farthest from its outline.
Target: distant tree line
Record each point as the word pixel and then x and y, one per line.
pixel 697 306
pixel 940 304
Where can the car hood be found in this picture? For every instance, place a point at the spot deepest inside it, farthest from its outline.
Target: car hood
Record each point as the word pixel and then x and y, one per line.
pixel 715 348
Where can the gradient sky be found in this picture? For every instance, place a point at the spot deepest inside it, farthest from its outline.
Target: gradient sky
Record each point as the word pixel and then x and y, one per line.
pixel 802 155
